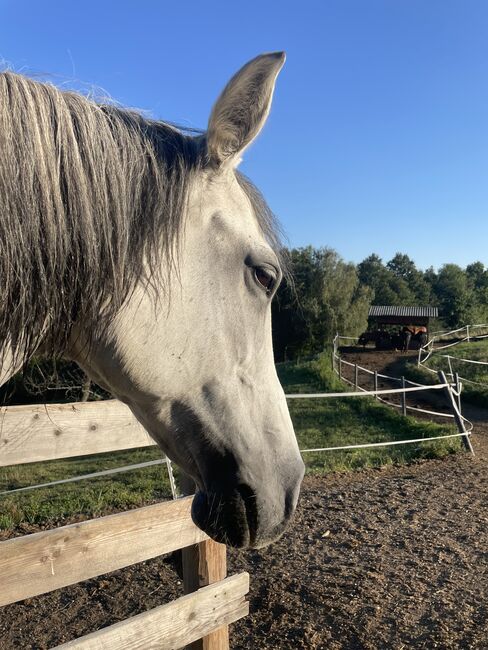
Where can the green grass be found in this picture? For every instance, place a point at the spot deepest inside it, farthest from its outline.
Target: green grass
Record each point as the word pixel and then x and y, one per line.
pixel 318 423
pixel 474 350
pixel 337 422
pixel 93 497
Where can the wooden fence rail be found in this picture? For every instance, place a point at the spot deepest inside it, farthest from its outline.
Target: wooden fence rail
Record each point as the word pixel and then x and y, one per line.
pixel 48 560
pixel 33 433
pixel 176 624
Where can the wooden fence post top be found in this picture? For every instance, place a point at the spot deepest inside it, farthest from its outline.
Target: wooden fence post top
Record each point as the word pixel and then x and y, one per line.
pixel 204 564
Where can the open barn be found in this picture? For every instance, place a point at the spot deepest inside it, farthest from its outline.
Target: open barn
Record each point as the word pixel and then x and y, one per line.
pixel 398 326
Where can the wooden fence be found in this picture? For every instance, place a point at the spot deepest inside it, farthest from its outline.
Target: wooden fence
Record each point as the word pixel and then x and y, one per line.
pixel 41 562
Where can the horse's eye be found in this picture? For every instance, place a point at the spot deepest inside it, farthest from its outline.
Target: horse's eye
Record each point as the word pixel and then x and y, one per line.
pixel 265 278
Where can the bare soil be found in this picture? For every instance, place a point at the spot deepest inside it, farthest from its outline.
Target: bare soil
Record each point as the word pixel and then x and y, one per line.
pixel 378 559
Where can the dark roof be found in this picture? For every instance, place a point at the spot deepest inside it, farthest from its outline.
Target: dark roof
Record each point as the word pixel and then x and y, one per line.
pixel 398 310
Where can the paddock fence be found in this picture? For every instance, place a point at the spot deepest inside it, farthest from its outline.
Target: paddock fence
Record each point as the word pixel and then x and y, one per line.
pixel 451 390
pixel 443 340
pixel 42 562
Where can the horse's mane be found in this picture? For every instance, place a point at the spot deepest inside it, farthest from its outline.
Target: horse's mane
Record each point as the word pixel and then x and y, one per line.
pixel 91 197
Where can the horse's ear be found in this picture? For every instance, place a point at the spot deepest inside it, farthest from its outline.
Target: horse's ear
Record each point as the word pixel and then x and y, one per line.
pixel 241 110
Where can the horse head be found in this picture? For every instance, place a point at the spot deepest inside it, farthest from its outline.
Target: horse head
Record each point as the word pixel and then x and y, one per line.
pixel 192 355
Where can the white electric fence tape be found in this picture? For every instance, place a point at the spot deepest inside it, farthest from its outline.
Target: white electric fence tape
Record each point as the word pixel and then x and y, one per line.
pixel 359 393
pixel 430 349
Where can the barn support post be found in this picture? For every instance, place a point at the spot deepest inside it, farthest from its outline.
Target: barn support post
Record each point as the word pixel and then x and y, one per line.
pixel 376 383
pixel 204 564
pixel 356 376
pixel 455 411
pixel 404 398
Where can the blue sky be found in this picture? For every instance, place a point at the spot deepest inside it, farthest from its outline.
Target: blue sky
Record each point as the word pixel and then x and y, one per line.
pixel 378 137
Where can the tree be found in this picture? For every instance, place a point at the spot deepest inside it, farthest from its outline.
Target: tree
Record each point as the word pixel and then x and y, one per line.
pixel 326 297
pixel 455 296
pixel 389 288
pixel 404 268
pixel 477 277
pixel 345 301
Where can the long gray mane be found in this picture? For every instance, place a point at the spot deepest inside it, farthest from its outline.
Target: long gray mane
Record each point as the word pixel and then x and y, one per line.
pixel 90 196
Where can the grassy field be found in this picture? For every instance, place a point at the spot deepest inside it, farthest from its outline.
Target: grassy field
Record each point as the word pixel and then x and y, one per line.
pixel 474 350
pixel 337 422
pixel 93 497
pixel 318 423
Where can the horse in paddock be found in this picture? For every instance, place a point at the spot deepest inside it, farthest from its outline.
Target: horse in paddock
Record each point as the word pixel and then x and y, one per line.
pixel 140 252
pixel 380 338
pixel 417 333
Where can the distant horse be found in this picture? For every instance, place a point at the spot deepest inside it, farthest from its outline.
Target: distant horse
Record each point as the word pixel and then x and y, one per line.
pixel 413 332
pixel 141 253
pixel 380 338
pixel 367 337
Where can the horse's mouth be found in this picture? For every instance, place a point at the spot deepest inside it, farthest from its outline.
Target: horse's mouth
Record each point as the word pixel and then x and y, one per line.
pixel 230 518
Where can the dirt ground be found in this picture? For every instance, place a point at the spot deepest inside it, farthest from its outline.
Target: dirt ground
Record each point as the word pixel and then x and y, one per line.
pixel 379 559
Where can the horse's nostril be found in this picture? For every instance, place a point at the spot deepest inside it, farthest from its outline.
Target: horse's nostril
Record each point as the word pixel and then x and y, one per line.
pixel 291 499
pixel 248 497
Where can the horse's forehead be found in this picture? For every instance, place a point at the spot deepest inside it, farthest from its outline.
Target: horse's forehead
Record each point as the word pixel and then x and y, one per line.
pixel 223 206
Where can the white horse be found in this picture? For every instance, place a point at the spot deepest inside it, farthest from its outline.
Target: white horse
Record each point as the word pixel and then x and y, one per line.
pixel 141 253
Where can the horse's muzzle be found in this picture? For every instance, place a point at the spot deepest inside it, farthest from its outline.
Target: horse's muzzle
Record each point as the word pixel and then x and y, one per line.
pixel 227 518
pixel 235 518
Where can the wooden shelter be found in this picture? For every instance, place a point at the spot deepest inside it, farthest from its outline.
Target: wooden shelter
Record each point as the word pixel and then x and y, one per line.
pixel 400 315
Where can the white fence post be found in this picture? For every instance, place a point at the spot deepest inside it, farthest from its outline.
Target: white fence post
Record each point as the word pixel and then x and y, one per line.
pixel 455 411
pixel 404 399
pixel 450 366
pixel 458 390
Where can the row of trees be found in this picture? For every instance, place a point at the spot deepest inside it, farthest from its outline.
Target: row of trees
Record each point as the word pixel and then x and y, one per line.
pixel 328 295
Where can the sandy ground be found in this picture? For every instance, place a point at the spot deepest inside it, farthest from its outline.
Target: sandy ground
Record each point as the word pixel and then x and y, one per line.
pixel 392 559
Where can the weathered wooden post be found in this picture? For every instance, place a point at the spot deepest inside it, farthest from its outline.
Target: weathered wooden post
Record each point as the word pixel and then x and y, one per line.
pixel 376 383
pixel 356 376
pixel 467 332
pixel 457 415
pixel 204 564
pixel 404 398
pixel 340 368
